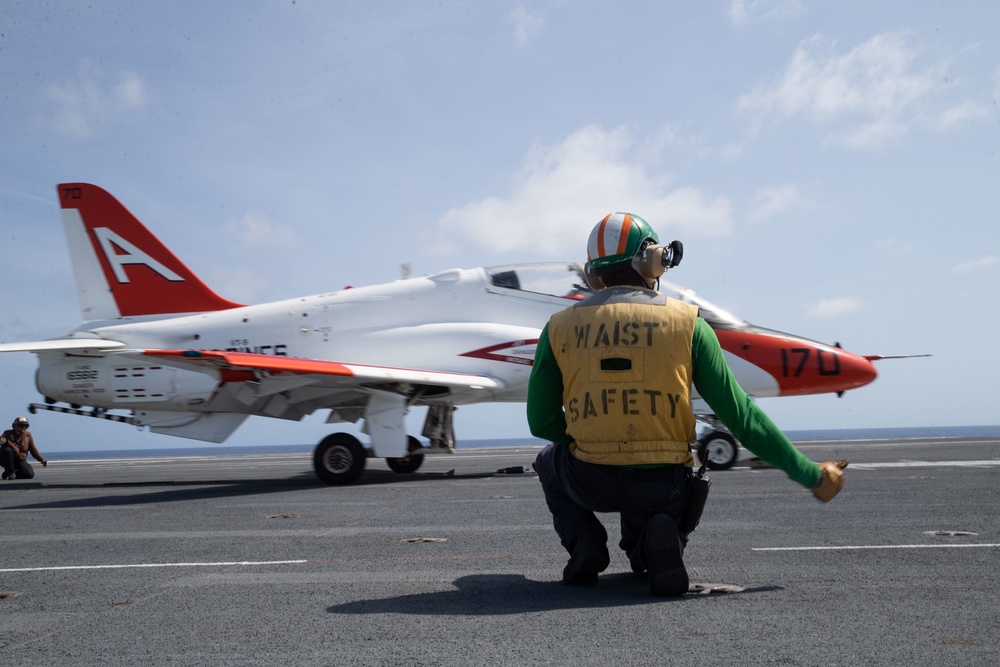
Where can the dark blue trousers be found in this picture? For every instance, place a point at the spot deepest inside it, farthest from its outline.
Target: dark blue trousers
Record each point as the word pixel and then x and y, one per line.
pixel 11 464
pixel 575 490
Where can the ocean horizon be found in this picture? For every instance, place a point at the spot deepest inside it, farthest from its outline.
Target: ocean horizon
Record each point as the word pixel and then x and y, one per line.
pixel 912 432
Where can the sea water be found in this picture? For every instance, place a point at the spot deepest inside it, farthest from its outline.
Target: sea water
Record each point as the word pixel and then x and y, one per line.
pixel 913 432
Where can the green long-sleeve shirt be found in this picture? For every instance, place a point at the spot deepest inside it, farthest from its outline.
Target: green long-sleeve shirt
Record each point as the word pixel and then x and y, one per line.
pixel 715 384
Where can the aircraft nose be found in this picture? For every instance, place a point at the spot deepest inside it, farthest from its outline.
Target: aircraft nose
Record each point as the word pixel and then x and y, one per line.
pixel 856 371
pixel 798 366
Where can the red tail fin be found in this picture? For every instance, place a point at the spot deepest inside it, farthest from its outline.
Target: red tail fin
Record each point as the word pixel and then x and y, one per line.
pixel 121 268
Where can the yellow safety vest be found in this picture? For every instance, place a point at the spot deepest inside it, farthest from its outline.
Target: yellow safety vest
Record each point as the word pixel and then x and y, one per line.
pixel 625 358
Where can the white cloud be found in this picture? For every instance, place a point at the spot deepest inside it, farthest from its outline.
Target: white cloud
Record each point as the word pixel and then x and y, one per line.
pixel 971 265
pixel 561 191
pixel 738 12
pixel 893 247
pixel 129 92
pixel 243 286
pixel 256 230
pixel 86 103
pixel 871 95
pixel 871 135
pixel 869 79
pixel 834 307
pixel 528 23
pixel 961 114
pixel 776 200
pixel 742 12
pixel 732 152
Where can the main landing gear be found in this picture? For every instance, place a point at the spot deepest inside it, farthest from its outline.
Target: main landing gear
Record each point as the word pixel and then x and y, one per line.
pixel 404 465
pixel 340 458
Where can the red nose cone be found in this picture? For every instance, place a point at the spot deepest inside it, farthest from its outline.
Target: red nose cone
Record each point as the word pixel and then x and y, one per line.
pixel 856 371
pixel 800 366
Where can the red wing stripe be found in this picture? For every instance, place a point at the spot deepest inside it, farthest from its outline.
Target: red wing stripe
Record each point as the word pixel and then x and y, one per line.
pixel 245 362
pixel 264 362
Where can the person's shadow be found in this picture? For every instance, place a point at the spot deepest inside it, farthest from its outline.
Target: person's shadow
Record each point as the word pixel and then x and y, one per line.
pixel 493 594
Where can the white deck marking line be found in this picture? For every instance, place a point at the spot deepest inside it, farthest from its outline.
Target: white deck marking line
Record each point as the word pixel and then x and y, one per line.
pixel 881 546
pixel 927 464
pixel 146 565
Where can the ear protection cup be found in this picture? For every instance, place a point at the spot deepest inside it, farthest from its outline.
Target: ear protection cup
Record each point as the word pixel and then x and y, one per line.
pixel 650 262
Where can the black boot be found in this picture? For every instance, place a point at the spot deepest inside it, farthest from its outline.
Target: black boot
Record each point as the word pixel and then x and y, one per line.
pixel 589 558
pixel 662 551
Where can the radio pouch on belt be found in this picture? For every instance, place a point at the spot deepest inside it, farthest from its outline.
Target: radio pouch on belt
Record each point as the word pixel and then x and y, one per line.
pixel 698 485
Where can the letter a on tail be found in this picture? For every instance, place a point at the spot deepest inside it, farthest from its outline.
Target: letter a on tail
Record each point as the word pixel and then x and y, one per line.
pixel 121 268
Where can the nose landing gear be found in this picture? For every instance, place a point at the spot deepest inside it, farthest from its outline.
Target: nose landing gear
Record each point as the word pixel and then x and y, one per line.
pixel 719 449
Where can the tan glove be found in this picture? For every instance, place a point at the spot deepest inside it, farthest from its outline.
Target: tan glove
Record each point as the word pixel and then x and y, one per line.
pixel 831 480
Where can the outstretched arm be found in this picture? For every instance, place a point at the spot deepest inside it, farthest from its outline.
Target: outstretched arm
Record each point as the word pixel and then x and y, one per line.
pixel 751 426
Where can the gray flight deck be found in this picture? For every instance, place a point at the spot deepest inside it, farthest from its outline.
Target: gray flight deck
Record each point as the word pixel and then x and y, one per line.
pixel 249 560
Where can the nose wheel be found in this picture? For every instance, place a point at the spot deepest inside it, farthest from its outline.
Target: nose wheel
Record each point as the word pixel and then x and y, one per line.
pixel 719 449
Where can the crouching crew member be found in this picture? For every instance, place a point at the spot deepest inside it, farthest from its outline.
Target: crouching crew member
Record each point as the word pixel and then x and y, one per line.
pixel 611 390
pixel 15 445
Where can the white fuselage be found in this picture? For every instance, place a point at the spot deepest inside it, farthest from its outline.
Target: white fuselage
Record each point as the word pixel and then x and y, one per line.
pixel 419 323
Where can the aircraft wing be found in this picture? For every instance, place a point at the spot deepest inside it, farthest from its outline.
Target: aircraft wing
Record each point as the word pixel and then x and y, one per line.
pixel 61 344
pixel 235 366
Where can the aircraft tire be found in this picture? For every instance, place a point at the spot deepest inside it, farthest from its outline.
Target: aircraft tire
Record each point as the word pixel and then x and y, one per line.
pixel 409 463
pixel 720 449
pixel 339 459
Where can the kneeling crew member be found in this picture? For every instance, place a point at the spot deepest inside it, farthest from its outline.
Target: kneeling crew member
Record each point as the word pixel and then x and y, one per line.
pixel 15 445
pixel 611 390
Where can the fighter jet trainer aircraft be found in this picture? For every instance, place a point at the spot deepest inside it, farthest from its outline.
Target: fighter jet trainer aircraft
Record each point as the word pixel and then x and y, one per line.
pixel 159 349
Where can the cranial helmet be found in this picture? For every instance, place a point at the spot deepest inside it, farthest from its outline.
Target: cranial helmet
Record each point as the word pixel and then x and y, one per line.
pixel 622 241
pixel 617 238
pixel 19 420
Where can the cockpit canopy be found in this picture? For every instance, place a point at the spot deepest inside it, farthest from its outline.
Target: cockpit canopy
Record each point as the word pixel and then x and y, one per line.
pixel 565 280
pixel 568 281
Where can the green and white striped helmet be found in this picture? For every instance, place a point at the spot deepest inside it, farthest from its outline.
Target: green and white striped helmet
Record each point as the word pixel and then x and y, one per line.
pixel 617 239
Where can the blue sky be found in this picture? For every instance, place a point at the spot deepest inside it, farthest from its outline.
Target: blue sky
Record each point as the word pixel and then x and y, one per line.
pixel 831 168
